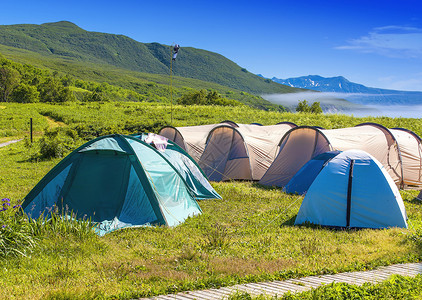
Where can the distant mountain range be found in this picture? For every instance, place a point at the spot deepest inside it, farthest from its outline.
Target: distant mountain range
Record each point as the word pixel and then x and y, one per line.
pixel 353 92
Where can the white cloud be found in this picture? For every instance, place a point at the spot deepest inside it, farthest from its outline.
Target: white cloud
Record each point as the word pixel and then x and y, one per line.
pixel 392 41
pixel 412 82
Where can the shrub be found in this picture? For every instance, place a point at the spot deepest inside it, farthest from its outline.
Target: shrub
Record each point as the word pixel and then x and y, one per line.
pixel 57 142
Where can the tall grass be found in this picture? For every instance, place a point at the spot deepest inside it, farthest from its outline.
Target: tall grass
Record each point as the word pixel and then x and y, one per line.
pixel 15 232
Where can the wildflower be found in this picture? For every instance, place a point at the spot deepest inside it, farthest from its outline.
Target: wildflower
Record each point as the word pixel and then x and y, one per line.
pixel 6 204
pixel 16 206
pixel 4 226
pixel 5 200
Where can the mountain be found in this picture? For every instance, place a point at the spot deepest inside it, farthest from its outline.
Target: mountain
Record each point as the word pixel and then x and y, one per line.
pixel 358 92
pixel 68 41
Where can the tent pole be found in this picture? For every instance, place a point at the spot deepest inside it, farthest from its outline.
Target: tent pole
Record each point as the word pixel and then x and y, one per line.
pixel 349 193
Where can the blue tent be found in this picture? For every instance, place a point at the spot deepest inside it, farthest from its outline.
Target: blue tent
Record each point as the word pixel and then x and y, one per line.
pixel 120 181
pixel 300 183
pixel 353 190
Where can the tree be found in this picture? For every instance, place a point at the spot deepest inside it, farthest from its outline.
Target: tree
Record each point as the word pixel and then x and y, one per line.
pixel 25 93
pixel 316 108
pixel 9 79
pixel 303 106
pixel 52 90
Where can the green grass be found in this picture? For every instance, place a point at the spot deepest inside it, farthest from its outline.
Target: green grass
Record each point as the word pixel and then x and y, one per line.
pixel 246 237
pixel 128 117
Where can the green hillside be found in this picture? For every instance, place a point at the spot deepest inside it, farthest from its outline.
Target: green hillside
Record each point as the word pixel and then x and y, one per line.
pixel 68 41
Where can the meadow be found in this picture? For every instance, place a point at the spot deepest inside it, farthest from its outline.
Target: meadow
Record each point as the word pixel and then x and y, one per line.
pixel 246 237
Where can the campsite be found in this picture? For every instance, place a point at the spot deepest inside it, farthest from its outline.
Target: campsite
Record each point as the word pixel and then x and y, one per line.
pixel 148 150
pixel 247 236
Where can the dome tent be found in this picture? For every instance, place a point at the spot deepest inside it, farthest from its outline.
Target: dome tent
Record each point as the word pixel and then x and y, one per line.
pixel 191 139
pixel 302 180
pixel 242 153
pixel 353 190
pixel 117 181
pixel 398 150
pixel 188 169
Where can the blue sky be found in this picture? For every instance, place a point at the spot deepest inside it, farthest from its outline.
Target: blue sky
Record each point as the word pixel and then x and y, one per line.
pixel 375 43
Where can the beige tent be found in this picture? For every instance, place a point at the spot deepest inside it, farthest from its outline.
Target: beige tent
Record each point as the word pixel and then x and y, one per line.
pixel 244 152
pixel 410 145
pixel 301 144
pixel 191 138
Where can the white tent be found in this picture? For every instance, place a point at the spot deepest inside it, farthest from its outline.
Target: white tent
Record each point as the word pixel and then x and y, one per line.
pixel 192 139
pixel 301 144
pixel 244 152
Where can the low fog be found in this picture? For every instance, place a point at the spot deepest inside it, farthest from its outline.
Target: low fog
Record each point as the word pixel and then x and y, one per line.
pixel 335 103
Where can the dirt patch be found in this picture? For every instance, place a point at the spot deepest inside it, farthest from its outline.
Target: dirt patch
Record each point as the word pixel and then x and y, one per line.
pixel 53 123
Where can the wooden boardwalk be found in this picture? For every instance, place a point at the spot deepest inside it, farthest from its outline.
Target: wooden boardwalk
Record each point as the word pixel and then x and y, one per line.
pixel 273 288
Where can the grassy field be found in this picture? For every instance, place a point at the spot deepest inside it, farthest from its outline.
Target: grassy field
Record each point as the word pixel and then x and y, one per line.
pixel 246 237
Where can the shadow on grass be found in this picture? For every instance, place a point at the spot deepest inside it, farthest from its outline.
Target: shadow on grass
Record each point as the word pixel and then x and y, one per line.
pixel 289 222
pixel 255 184
pixel 415 201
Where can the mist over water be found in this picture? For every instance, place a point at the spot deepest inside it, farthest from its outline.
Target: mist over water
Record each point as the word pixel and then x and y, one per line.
pixel 392 111
pixel 333 103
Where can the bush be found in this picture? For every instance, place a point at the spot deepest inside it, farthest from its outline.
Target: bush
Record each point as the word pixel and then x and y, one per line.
pixel 57 142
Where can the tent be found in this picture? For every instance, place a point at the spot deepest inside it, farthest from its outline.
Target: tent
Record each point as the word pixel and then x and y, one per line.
pixel 303 179
pixel 301 144
pixel 410 145
pixel 353 190
pixel 188 169
pixel 192 139
pixel 117 181
pixel 244 152
pixel 419 197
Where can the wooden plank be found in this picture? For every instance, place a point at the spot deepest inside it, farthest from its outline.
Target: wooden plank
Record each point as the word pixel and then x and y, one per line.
pixel 305 282
pixel 257 289
pixel 346 279
pixel 320 280
pixel 400 270
pixel 361 277
pixel 216 292
pixel 207 295
pixel 294 286
pixel 415 267
pixel 268 288
pixel 194 295
pixel 281 287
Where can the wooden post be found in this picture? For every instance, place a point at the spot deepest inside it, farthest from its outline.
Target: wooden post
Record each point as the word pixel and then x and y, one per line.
pixel 171 85
pixel 30 128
